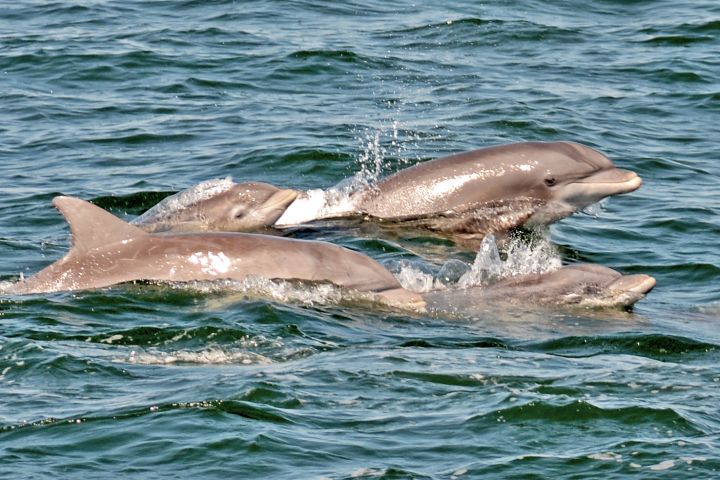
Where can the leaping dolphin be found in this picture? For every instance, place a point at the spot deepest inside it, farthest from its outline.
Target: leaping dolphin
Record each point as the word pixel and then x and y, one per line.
pixel 471 194
pixel 498 188
pixel 107 251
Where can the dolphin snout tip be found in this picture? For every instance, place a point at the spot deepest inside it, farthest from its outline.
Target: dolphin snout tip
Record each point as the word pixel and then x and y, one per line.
pixel 614 181
pixel 639 283
pixel 633 182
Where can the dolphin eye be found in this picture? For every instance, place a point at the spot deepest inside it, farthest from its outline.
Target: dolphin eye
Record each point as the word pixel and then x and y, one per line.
pixel 550 181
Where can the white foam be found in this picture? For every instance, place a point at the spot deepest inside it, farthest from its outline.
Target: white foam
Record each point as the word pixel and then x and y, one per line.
pixel 522 258
pixel 251 287
pixel 343 198
pixel 212 355
pixel 606 456
pixel 412 277
pixel 662 465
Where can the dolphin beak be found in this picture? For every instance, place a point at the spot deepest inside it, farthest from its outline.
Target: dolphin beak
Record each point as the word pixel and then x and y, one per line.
pixel 275 206
pixel 281 199
pixel 613 181
pixel 640 283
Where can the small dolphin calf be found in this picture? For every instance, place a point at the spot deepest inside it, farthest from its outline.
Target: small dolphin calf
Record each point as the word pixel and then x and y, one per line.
pixel 491 190
pixel 229 207
pixel 107 251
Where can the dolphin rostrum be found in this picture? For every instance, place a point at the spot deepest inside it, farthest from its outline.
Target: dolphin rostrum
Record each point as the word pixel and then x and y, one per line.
pixel 107 251
pixel 471 194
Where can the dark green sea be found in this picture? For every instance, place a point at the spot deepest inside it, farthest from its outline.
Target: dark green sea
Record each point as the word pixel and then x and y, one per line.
pixel 125 102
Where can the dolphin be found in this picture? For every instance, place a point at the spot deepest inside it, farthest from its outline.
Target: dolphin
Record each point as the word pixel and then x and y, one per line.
pixel 232 207
pixel 579 285
pixel 471 194
pixel 107 251
pixel 495 189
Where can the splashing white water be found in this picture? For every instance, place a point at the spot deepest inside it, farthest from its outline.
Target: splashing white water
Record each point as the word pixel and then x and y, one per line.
pixel 521 258
pixel 212 355
pixel 343 198
pixel 255 287
pixel 173 203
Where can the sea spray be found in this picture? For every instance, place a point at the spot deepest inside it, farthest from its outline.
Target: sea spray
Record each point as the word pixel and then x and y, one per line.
pixel 521 258
pixel 343 198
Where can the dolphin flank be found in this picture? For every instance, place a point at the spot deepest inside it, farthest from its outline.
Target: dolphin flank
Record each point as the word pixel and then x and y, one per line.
pixel 498 188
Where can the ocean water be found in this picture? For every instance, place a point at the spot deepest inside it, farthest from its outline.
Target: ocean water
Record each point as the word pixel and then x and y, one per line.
pixel 123 103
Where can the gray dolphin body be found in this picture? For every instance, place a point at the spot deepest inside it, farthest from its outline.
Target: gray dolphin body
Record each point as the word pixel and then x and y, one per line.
pixel 107 251
pixel 241 207
pixel 498 188
pixel 491 190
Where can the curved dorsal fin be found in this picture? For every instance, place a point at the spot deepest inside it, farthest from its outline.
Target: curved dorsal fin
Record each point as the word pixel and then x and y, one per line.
pixel 91 226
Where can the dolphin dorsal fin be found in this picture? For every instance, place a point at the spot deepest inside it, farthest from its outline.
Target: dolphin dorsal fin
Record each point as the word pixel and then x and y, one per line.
pixel 91 226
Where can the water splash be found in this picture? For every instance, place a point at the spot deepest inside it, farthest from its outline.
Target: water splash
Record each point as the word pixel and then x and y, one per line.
pixel 414 276
pixel 521 258
pixel 317 204
pixel 255 287
pixel 212 356
pixel 343 198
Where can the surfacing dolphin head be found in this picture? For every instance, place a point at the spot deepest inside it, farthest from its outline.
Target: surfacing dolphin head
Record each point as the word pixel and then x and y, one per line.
pixel 575 177
pixel 579 285
pixel 241 207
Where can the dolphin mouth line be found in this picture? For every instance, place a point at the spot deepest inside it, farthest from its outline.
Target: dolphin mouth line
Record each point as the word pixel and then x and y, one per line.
pixel 638 283
pixel 616 179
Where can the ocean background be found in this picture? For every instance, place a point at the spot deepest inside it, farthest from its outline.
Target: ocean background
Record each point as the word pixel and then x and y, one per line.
pixel 125 102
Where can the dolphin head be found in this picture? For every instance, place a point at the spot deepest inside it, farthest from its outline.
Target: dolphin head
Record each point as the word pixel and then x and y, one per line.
pixel 571 176
pixel 239 207
pixel 248 206
pixel 590 285
pixel 578 285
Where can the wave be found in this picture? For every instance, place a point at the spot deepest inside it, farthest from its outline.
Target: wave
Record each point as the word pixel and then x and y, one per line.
pixel 656 346
pixel 580 411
